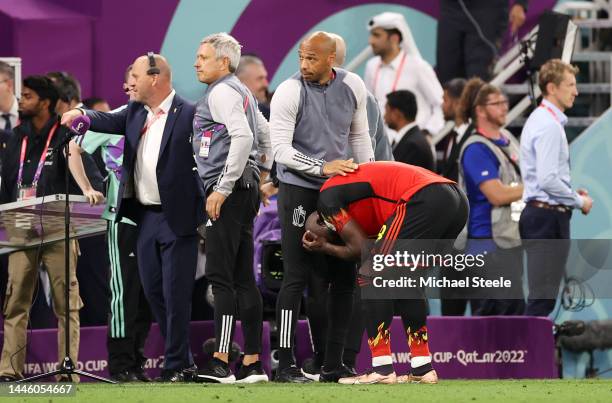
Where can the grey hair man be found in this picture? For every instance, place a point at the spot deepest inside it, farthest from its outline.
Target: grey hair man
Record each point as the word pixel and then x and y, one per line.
pixel 231 143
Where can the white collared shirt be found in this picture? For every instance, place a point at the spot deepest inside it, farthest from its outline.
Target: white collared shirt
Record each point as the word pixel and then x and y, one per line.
pixel 416 76
pixel 545 165
pixel 145 176
pixel 399 135
pixel 13 115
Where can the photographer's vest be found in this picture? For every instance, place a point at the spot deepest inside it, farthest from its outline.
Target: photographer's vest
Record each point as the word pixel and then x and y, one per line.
pixel 504 219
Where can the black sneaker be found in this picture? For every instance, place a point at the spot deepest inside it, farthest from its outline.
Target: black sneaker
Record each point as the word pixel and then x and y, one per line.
pixel 140 375
pixel 124 376
pixel 171 376
pixel 216 371
pixel 8 378
pixel 311 370
pixel 333 376
pixel 291 374
pixel 252 373
pixel 190 373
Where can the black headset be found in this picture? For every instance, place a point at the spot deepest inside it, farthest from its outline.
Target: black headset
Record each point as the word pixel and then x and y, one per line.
pixel 153 69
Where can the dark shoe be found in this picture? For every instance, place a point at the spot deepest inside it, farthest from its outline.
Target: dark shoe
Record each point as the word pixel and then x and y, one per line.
pixel 252 373
pixel 333 376
pixel 184 375
pixel 216 371
pixel 8 378
pixel 171 376
pixel 291 374
pixel 190 373
pixel 311 370
pixel 124 376
pixel 140 375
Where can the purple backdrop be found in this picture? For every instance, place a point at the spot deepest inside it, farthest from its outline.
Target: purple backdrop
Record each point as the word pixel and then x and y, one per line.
pixel 471 348
pixel 96 42
pixel 93 356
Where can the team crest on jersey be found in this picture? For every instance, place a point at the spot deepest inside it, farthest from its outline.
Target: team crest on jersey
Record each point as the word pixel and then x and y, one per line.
pixel 299 216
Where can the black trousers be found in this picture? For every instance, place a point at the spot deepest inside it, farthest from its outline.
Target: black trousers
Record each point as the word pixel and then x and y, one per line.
pixel 461 52
pixel 93 274
pixel 229 269
pixel 546 259
pixel 509 264
pixel 294 205
pixel 130 316
pixel 438 211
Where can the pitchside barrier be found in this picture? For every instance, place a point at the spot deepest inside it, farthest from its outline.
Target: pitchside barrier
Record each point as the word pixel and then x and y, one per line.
pixel 463 347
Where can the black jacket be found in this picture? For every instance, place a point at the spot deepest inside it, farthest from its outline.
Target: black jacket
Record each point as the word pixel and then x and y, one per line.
pixel 415 149
pixel 180 188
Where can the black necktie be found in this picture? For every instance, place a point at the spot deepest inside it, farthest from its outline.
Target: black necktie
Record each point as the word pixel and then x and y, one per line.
pixel 7 119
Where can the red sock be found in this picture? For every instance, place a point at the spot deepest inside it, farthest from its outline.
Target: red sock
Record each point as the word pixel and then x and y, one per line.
pixel 417 341
pixel 380 347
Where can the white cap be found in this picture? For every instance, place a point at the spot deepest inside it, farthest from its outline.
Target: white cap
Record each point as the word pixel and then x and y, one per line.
pixel 397 21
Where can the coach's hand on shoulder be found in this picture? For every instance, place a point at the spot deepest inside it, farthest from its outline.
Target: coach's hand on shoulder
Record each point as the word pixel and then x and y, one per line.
pixel 69 116
pixel 312 242
pixel 339 167
pixel 213 205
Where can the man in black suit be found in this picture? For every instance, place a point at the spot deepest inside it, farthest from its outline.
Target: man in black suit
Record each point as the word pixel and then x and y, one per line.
pixel 449 147
pixel 410 146
pixel 162 193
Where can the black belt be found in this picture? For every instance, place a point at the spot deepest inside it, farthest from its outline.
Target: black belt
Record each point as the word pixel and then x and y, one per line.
pixel 157 208
pixel 555 207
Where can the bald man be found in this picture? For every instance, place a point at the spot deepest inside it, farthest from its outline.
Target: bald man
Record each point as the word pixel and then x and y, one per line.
pixel 317 301
pixel 317 117
pixel 160 191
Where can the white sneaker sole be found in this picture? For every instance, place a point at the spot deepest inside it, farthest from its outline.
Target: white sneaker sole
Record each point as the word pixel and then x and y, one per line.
pixel 312 377
pixel 254 379
pixel 213 379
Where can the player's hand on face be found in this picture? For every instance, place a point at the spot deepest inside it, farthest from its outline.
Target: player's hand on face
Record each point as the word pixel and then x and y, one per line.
pixel 311 242
pixel 339 167
pixel 93 197
pixel 213 205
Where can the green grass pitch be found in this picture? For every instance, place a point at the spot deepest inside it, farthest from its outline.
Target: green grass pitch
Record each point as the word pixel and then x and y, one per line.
pixel 514 391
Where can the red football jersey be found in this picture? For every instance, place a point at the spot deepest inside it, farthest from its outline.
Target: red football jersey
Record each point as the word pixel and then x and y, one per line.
pixel 371 194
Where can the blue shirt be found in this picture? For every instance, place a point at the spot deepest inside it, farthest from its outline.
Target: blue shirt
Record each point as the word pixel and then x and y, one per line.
pixel 480 165
pixel 544 158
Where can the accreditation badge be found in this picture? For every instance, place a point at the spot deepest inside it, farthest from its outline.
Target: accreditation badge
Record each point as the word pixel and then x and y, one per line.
pixel 205 143
pixel 26 193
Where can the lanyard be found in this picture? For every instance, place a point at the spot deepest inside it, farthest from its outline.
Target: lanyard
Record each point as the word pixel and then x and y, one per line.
pixel 41 162
pixel 551 112
pixel 151 121
pixel 397 75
